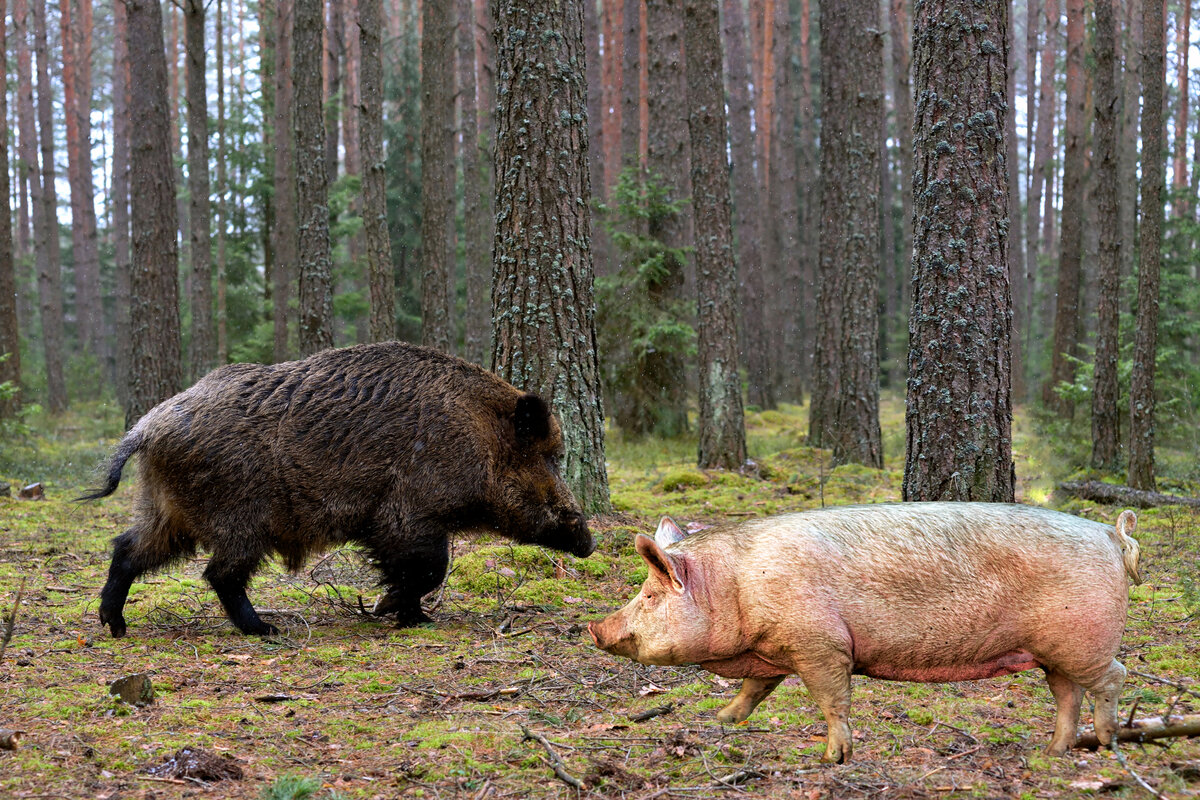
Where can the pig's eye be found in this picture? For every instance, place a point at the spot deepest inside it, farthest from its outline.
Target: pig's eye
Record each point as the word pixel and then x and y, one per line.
pixel 650 599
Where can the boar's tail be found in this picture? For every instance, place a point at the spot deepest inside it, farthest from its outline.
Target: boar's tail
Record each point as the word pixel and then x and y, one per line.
pixel 132 442
pixel 1130 551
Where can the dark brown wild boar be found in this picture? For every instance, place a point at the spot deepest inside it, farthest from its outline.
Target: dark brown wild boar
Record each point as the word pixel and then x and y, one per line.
pixel 391 446
pixel 929 592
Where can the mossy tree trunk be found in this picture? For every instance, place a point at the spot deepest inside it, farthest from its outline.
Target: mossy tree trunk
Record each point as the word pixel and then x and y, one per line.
pixel 544 336
pixel 959 416
pixel 382 285
pixel 722 427
pixel 437 174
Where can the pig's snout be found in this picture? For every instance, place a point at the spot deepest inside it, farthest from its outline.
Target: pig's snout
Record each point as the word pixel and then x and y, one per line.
pixel 611 635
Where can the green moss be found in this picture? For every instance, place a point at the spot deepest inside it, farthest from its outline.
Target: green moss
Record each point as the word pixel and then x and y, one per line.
pixel 681 479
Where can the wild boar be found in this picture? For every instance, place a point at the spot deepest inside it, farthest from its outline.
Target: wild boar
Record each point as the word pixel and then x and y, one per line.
pixel 392 446
pixel 930 592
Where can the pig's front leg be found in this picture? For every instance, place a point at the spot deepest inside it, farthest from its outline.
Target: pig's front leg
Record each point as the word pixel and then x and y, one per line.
pixel 829 686
pixel 753 692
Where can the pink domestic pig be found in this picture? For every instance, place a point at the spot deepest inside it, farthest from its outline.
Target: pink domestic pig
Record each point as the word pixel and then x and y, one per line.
pixel 929 592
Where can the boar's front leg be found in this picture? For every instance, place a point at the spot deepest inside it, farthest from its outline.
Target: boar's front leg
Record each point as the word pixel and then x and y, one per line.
pixel 753 692
pixel 411 567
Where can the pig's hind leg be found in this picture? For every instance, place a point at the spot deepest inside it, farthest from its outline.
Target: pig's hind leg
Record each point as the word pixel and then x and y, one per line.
pixel 753 692
pixel 1067 696
pixel 1106 691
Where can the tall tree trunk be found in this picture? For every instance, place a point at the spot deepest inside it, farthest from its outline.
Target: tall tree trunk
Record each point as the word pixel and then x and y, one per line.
pixel 1016 249
pixel 545 336
pixel 783 254
pixel 1067 314
pixel 370 128
pixel 437 175
pixel 1131 92
pixel 631 126
pixel 477 328
pixel 1042 160
pixel 122 245
pixel 10 337
pixel 722 427
pixel 901 29
pixel 612 99
pixel 312 194
pixel 171 22
pixel 807 175
pixel 1181 204
pixel 77 101
pixel 1145 348
pixel 49 262
pixel 749 212
pixel 284 228
pixel 155 368
pixel 222 188
pixel 959 417
pixel 662 377
pixel 265 197
pixel 602 246
pixel 845 407
pixel 29 172
pixel 1105 395
pixel 352 139
pixel 334 52
pixel 1023 336
pixel 203 344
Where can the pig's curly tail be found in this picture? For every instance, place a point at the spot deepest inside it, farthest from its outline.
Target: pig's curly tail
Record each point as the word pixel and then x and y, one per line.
pixel 129 445
pixel 1130 551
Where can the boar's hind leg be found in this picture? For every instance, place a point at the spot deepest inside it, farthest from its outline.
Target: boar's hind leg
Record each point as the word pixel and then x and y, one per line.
pixel 754 691
pixel 131 558
pixel 829 686
pixel 1067 695
pixel 228 576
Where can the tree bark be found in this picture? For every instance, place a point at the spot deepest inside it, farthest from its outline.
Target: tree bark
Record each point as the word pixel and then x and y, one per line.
pixel 1145 348
pixel 222 187
pixel 120 199
pixel 437 175
pixel 477 328
pixel 959 418
pixel 155 368
pixel 1066 313
pixel 752 273
pixel 844 415
pixel 312 192
pixel 612 99
pixel 1130 121
pixel 542 296
pixel 722 427
pixel 901 29
pixel 1105 395
pixel 334 50
pixel 283 231
pixel 1023 336
pixel 1042 156
pixel 203 342
pixel 370 128
pixel 784 253
pixel 1016 248
pixel 602 246
pixel 10 337
pixel 49 261
pixel 809 186
pixel 1181 204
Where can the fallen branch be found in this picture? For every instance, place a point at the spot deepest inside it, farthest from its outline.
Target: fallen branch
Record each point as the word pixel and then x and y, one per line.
pixel 1112 494
pixel 1141 782
pixel 12 619
pixel 651 713
pixel 560 769
pixel 1148 729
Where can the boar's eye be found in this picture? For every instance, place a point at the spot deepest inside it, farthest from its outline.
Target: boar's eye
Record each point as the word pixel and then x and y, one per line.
pixel 552 463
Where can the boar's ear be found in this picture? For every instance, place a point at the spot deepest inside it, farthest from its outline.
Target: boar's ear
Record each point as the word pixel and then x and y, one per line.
pixel 661 565
pixel 531 419
pixel 668 532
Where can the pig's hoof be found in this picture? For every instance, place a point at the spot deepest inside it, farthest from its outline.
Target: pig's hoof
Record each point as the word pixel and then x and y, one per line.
pixel 836 755
pixel 731 715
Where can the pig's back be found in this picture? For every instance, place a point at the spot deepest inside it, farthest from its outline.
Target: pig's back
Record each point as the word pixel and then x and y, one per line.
pixel 942 591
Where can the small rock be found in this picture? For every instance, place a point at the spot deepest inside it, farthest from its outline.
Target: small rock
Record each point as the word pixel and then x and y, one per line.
pixel 5 491
pixel 136 690
pixel 34 491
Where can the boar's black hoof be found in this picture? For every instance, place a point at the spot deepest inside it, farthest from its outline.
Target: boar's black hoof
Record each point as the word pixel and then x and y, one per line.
pixel 259 629
pixel 115 623
pixel 410 618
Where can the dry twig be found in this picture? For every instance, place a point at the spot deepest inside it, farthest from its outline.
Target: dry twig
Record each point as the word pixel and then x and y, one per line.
pixel 12 619
pixel 560 769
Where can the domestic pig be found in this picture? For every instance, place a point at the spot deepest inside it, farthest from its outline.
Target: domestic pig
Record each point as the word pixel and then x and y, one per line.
pixel 929 592
pixel 392 446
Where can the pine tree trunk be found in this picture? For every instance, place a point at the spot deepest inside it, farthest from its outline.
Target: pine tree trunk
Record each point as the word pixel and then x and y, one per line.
pixel 203 345
pixel 1145 347
pixel 602 246
pixel 542 296
pixel 809 180
pixel 1016 244
pixel 155 365
pixel 1066 313
pixel 612 98
pixel 29 172
pixel 1105 396
pixel 49 261
pixel 437 175
pixel 284 228
pixel 959 416
pixel 749 212
pixel 901 28
pixel 334 52
pixel 722 427
pixel 10 337
pixel 784 254
pixel 1042 164
pixel 1181 205
pixel 1131 93
pixel 370 129
pixel 631 84
pixel 661 379
pixel 266 104
pixel 845 408
pixel 1023 337
pixel 477 328
pixel 120 199
pixel 352 148
pixel 222 187
pixel 312 195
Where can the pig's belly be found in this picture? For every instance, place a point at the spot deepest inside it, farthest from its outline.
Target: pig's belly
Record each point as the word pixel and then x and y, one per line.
pixel 1006 664
pixel 747 665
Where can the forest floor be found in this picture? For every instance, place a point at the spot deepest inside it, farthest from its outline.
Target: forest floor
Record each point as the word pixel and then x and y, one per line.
pixel 343 705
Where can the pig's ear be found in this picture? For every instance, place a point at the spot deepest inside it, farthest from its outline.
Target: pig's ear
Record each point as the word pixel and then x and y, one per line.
pixel 661 565
pixel 531 420
pixel 668 533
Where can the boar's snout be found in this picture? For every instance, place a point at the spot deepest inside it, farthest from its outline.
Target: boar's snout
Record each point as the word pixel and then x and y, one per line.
pixel 580 537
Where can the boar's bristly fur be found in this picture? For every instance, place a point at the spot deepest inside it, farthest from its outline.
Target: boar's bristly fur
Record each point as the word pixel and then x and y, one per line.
pixel 392 446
